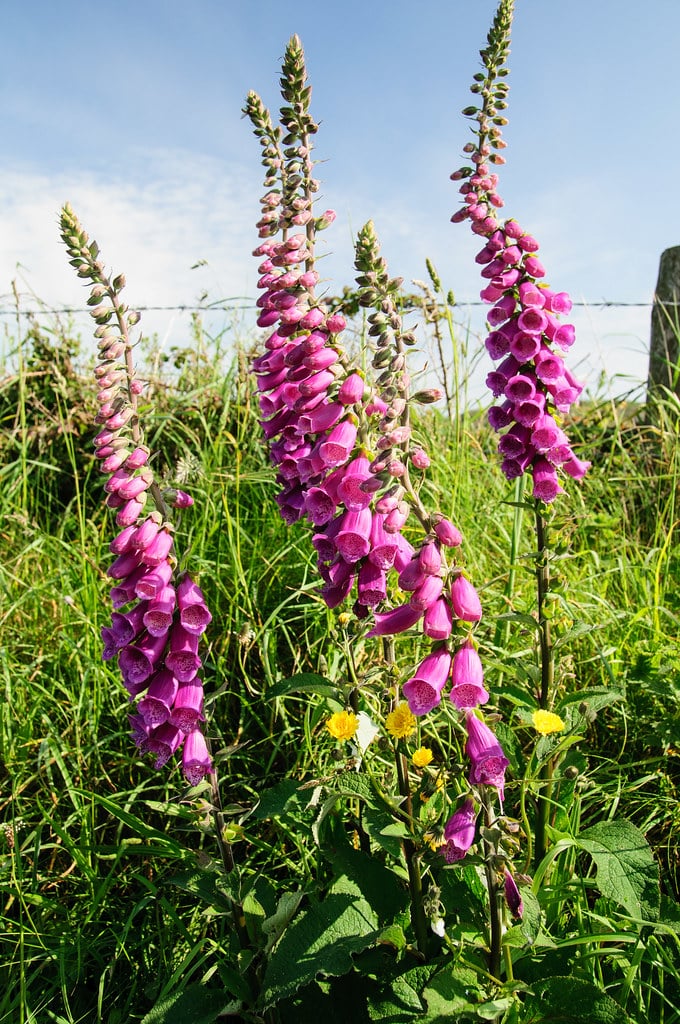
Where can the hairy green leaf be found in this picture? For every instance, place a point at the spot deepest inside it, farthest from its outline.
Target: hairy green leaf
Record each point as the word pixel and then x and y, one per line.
pixel 626 870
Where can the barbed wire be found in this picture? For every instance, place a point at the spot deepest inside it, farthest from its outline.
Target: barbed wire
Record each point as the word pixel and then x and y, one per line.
pixel 230 306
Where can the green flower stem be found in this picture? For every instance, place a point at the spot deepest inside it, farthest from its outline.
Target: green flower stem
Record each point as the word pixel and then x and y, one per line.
pixel 495 911
pixel 547 658
pixel 543 805
pixel 547 663
pixel 226 854
pixel 415 881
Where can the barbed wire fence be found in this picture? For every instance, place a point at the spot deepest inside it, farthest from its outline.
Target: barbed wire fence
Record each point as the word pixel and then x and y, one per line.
pixel 612 356
pixel 247 303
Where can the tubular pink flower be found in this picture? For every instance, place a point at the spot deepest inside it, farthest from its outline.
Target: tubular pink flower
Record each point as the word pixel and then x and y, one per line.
pixel 351 390
pixel 513 897
pixel 371 585
pixel 468 678
pixel 430 558
pixel 465 600
pixel 337 447
pixel 194 615
pixel 138 661
pixel 187 709
pixel 447 534
pixel 126 626
pixel 145 533
pixel 427 592
pixel 156 704
pixel 395 520
pixel 459 833
pixel 152 581
pixel 159 612
pixel 131 511
pixel 412 575
pixel 196 761
pixel 438 620
pixel 575 467
pixel 397 620
pixel 423 691
pixel 353 539
pixel 384 546
pixel 183 660
pixel 488 762
pixel 163 741
pixel 349 488
pixel 546 484
pixel 158 549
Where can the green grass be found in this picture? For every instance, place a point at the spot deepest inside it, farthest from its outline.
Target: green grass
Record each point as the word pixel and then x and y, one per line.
pixel 93 928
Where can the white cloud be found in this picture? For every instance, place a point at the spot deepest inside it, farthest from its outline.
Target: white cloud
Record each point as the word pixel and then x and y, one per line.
pixel 163 211
pixel 152 226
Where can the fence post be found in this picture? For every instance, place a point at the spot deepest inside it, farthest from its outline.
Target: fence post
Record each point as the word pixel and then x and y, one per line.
pixel 664 367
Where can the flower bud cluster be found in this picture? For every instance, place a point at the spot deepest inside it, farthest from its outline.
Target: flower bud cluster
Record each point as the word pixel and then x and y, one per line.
pixel 157 619
pixel 526 335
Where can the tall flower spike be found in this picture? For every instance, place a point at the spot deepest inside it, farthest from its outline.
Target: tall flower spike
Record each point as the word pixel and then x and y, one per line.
pixel 533 385
pixel 343 446
pixel 150 633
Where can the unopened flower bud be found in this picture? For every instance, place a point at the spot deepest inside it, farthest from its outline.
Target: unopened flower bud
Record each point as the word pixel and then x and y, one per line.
pixel 427 396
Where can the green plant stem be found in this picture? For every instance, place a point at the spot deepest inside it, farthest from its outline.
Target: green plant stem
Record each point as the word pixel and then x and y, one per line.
pixel 495 922
pixel 543 804
pixel 226 855
pixel 542 587
pixel 415 881
pixel 547 662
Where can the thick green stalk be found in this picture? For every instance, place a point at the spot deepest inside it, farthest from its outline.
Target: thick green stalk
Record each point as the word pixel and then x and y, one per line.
pixel 415 881
pixel 547 659
pixel 543 804
pixel 546 696
pixel 495 912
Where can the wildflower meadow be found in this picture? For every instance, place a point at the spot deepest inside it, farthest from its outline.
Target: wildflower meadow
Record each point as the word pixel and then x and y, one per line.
pixel 329 691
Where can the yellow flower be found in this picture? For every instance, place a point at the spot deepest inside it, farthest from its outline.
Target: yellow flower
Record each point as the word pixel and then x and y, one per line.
pixel 421 757
pixel 342 725
pixel 400 723
pixel 546 722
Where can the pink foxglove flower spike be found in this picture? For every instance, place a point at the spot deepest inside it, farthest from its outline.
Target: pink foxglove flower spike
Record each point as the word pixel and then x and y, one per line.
pixel 156 637
pixel 526 334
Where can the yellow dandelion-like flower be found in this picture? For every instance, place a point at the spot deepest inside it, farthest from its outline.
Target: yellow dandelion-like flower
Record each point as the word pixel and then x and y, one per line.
pixel 400 723
pixel 432 841
pixel 422 757
pixel 546 722
pixel 342 725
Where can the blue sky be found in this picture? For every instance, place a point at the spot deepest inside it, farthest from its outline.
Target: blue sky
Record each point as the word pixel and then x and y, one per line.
pixel 133 114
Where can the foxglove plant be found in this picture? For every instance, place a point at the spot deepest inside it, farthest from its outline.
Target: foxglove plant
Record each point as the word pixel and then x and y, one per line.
pixel 534 387
pixel 159 613
pixel 345 454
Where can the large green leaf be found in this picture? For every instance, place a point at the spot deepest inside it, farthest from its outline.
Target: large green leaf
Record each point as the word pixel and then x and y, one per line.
pixel 565 1000
pixel 626 870
pixel 320 941
pixel 448 993
pixel 380 887
pixel 273 801
pixel 194 1005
